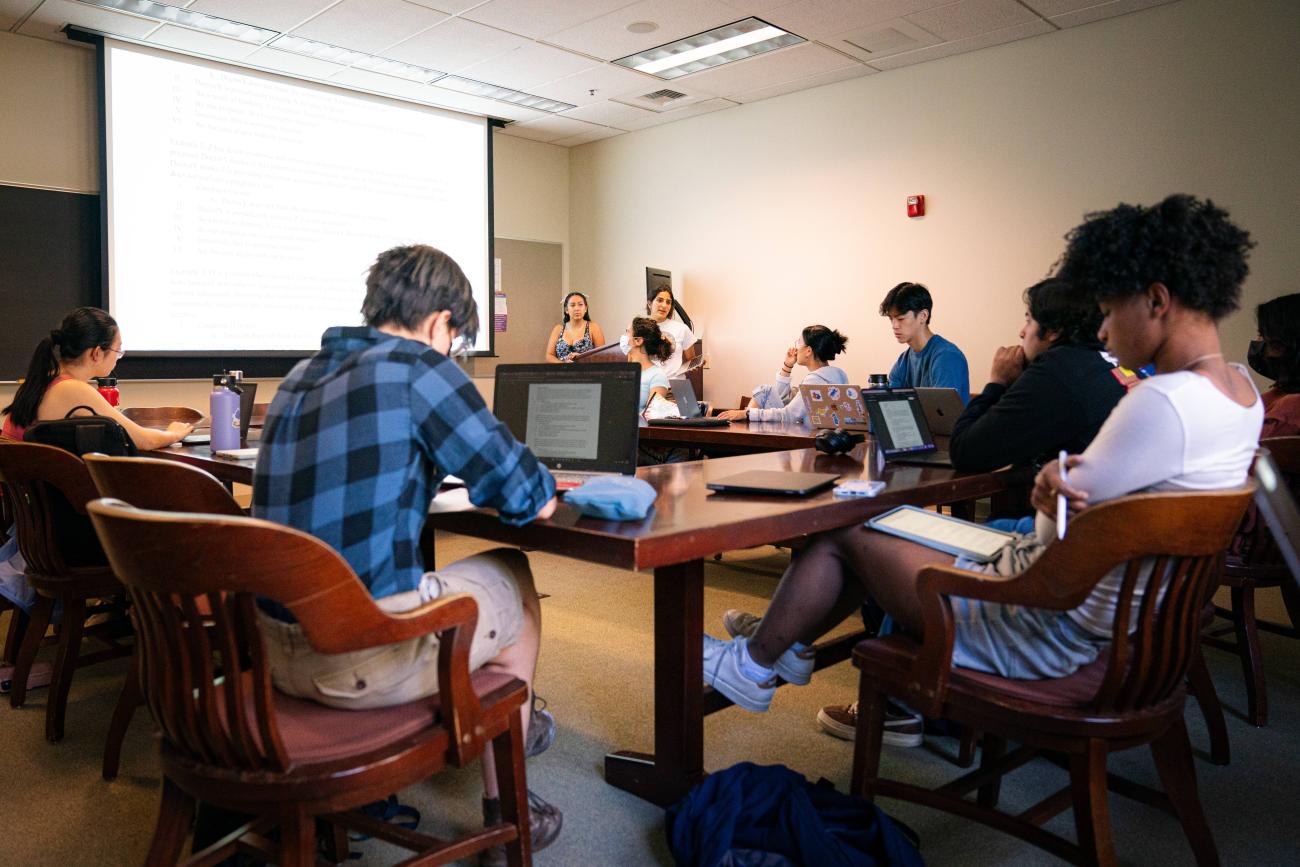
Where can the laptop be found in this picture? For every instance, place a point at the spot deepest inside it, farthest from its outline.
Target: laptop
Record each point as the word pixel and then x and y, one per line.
pixel 835 407
pixel 774 482
pixel 693 412
pixel 580 420
pixel 902 434
pixel 942 406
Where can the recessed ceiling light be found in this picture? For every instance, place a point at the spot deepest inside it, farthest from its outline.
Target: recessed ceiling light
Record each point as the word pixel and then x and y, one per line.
pixel 642 27
pixel 503 94
pixel 186 18
pixel 725 44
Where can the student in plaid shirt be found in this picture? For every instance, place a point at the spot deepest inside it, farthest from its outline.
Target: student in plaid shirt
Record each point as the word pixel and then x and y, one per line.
pixel 356 443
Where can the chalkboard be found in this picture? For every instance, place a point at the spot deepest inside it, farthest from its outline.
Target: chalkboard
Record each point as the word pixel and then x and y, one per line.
pixel 49 264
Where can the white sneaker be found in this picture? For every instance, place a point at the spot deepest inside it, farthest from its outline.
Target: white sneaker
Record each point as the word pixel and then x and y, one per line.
pixel 722 661
pixel 794 667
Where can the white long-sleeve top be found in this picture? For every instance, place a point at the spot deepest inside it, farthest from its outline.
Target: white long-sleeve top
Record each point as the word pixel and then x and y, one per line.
pixel 782 403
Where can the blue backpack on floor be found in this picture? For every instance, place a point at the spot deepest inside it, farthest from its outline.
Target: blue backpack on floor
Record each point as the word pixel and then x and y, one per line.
pixel 769 816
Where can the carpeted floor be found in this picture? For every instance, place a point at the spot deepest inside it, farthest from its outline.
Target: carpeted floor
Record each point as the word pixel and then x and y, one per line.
pixel 595 671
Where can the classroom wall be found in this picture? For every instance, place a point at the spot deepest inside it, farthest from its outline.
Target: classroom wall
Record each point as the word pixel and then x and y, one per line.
pixel 791 211
pixel 50 134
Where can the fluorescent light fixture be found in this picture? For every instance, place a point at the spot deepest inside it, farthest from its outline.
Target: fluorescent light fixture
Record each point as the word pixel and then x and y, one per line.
pixel 186 18
pixel 503 94
pixel 318 50
pixel 724 44
pixel 398 69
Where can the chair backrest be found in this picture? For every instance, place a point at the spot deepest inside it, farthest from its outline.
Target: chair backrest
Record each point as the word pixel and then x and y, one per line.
pixel 1277 472
pixel 48 489
pixel 1255 543
pixel 1170 547
pixel 608 352
pixel 194 580
pixel 161 416
pixel 163 485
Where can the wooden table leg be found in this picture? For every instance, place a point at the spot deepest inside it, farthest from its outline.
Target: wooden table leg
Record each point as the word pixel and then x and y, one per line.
pixel 678 760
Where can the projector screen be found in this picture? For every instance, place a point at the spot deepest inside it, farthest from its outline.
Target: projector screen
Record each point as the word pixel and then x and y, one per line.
pixel 244 209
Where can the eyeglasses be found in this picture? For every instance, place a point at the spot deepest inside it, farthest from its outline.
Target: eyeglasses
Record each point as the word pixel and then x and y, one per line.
pixel 120 352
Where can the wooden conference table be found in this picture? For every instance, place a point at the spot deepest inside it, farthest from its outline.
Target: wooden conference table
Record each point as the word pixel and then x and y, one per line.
pixel 689 523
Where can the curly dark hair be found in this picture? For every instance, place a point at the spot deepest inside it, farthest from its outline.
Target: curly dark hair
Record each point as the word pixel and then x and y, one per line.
pixel 824 342
pixel 1187 244
pixel 657 344
pixel 1057 306
pixel 1279 326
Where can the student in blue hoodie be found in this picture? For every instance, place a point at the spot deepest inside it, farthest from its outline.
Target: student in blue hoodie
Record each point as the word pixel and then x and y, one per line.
pixel 929 361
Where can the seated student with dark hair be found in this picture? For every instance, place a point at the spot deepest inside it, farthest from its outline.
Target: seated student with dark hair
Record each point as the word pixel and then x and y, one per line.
pixel 1164 276
pixel 1051 392
pixel 1275 355
pixel 816 347
pixel 929 361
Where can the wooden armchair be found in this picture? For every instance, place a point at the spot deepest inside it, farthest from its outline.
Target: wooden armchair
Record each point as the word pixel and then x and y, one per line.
pixel 48 489
pixel 168 486
pixel 1170 546
pixel 236 743
pixel 1254 561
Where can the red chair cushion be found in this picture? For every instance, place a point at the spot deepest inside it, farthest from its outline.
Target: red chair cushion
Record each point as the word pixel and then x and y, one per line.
pixel 313 733
pixel 896 652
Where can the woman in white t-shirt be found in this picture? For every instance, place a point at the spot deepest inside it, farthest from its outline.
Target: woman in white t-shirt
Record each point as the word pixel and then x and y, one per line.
pixel 647 346
pixel 1163 277
pixel 660 309
pixel 816 347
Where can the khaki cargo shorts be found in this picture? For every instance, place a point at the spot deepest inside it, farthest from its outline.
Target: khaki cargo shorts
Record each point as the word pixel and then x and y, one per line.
pixel 397 673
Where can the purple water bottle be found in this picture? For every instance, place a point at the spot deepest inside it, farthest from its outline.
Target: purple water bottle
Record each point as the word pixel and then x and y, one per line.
pixel 223 409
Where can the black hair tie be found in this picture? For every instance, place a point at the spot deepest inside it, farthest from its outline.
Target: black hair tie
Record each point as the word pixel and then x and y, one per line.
pixel 56 337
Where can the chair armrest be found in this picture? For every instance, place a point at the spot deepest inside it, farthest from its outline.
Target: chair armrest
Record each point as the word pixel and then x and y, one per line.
pixel 932 668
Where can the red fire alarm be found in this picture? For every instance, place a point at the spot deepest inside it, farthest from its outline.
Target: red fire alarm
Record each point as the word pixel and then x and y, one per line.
pixel 916 206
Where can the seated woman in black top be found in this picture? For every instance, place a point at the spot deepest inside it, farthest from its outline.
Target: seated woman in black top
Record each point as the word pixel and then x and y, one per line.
pixel 1050 393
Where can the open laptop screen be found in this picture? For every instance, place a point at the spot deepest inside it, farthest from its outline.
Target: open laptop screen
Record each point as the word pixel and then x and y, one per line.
pixel 899 422
pixel 572 416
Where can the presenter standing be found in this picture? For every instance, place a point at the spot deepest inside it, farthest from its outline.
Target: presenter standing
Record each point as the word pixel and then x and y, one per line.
pixel 576 333
pixel 660 309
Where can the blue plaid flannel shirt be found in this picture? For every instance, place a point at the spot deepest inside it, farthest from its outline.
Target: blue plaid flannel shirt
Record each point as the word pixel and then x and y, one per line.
pixel 358 439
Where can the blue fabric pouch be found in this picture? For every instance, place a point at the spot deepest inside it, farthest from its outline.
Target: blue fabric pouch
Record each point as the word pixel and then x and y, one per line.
pixel 614 498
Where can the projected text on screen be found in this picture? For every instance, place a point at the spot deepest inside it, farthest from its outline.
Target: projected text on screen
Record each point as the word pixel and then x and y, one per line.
pixel 245 209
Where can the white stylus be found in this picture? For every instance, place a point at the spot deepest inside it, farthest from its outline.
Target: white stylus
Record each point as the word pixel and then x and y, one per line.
pixel 1062 507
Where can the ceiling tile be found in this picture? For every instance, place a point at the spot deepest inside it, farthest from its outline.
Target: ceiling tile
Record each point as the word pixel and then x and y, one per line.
pixel 295 64
pixel 608 36
pixel 368 25
pixel 758 8
pixel 587 137
pixel 451 7
pixel 453 45
pixel 528 65
pixel 551 128
pixel 13 10
pixel 534 18
pixel 280 15
pixel 607 113
pixel 50 16
pixel 385 85
pixel 882 40
pixel 765 70
pixel 814 19
pixel 703 107
pixel 607 81
pixel 197 42
pixel 856 71
pixel 968 18
pixel 1103 10
pixel 947 49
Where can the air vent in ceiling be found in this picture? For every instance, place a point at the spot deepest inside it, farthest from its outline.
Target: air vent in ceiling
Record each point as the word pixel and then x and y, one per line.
pixel 663 97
